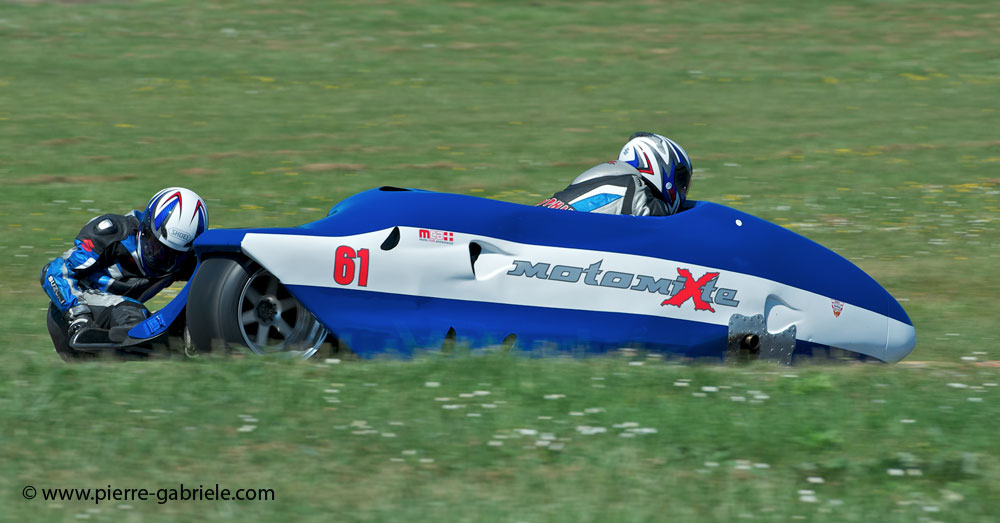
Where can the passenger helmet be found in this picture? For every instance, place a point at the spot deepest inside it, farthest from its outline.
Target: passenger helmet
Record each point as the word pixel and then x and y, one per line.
pixel 663 163
pixel 173 218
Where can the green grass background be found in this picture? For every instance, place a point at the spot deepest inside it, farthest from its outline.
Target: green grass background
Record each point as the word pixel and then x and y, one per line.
pixel 870 127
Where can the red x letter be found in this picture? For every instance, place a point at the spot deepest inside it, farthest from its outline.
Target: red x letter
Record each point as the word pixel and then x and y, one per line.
pixel 692 289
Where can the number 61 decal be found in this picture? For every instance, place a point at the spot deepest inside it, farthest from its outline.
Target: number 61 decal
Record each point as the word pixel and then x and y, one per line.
pixel 343 266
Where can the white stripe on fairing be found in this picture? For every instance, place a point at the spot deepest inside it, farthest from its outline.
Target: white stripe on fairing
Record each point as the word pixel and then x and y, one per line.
pixel 309 260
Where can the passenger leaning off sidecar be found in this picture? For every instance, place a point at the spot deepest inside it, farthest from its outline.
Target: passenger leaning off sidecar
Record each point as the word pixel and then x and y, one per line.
pixel 119 261
pixel 650 178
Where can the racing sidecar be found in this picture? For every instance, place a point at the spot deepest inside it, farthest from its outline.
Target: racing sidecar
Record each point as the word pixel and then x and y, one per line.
pixel 391 271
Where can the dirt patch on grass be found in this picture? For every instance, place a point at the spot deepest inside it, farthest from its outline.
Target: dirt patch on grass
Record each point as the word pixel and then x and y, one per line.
pixel 44 179
pixel 322 167
pixel 62 141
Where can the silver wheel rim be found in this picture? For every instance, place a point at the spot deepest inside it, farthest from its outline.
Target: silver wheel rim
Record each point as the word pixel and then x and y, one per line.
pixel 272 321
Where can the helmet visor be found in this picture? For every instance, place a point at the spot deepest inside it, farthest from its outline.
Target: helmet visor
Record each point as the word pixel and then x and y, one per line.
pixel 159 258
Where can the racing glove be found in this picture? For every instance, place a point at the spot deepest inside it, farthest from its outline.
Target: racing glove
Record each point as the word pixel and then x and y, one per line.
pixel 79 318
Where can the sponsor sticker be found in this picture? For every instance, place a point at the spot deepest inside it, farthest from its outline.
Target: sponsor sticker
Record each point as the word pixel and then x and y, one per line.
pixel 435 236
pixel 838 307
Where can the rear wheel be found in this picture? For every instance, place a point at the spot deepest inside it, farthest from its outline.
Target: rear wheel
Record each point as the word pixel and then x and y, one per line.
pixel 234 303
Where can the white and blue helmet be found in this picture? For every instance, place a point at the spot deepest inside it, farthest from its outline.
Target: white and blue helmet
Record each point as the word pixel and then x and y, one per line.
pixel 663 163
pixel 173 218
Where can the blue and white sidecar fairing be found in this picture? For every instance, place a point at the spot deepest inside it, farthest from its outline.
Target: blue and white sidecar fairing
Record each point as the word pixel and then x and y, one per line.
pixel 394 270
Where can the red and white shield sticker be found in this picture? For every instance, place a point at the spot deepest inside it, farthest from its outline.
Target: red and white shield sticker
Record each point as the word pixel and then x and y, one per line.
pixel 838 307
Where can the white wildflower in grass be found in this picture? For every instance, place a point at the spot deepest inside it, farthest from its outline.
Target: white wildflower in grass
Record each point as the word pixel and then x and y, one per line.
pixel 527 432
pixel 643 430
pixel 761 397
pixel 554 396
pixel 587 430
pixel 331 399
pixel 930 508
pixel 495 443
pixel 598 378
pixel 331 361
pixel 681 384
pixel 481 393
pixel 545 418
pixel 626 435
pixel 488 405
pixel 466 395
pixel 989 384
pixel 371 384
pixel 432 384
pixel 542 443
pixel 575 413
pixel 709 388
pixel 635 363
pixel 388 435
pixel 473 415
pixel 593 410
pixel 556 446
pixel 907 421
pixel 442 399
pixel 359 423
pixel 452 406
pixel 247 428
pixel 397 460
pixel 976 400
pixel 761 465
pixel 790 376
pixel 958 385
pixel 699 394
pixel 626 425
pixel 409 452
pixel 331 391
pixel 547 435
pixel 742 464
pixel 738 399
pixel 711 464
pixel 895 472
pixel 397 423
pixel 969 358
pixel 815 479
pixel 426 460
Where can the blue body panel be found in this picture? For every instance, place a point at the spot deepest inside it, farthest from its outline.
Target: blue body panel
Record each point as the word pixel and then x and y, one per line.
pixel 158 322
pixel 706 234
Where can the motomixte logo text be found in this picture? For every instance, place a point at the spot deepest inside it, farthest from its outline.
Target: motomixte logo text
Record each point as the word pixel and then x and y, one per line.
pixel 702 291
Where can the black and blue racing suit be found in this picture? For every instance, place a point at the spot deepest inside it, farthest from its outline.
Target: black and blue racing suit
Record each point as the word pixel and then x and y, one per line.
pixel 103 273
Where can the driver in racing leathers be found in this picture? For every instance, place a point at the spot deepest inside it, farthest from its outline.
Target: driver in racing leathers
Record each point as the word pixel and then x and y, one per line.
pixel 119 261
pixel 650 178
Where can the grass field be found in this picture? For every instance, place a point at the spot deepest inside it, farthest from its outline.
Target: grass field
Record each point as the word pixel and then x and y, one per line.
pixel 870 127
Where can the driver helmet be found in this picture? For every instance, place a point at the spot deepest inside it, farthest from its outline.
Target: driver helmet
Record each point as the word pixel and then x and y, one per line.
pixel 173 218
pixel 663 164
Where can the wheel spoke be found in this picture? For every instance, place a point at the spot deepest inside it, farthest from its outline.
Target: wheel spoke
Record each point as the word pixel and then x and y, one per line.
pixel 262 333
pixel 272 286
pixel 283 327
pixel 252 295
pixel 287 304
pixel 248 316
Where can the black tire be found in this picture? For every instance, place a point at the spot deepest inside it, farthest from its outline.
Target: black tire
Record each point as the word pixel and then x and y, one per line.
pixel 234 303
